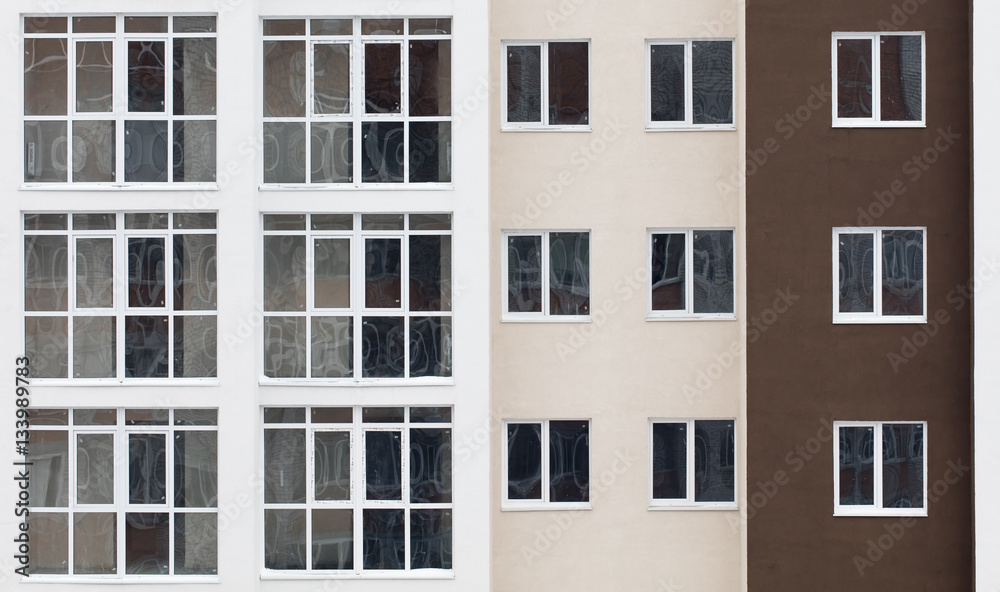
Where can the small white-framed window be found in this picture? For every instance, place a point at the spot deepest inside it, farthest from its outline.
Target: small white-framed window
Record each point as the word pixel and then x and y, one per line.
pixel 546 275
pixel 880 468
pixel 878 79
pixel 546 85
pixel 878 275
pixel 546 464
pixel 690 84
pixel 691 274
pixel 692 463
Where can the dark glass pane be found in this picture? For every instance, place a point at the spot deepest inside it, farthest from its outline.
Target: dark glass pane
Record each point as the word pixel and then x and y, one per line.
pixel 524 83
pixel 382 153
pixel 95 468
pixel 668 272
pixel 285 347
pixel 714 471
pixel 95 543
pixel 285 539
pixel 93 151
pixel 857 466
pixel 134 417
pixel 94 221
pixel 146 76
pixel 147 469
pixel 284 27
pixel 147 268
pixel 857 273
pixel 147 543
pixel 569 93
pixel 430 539
pixel 45 222
pixel 524 461
pixel 430 415
pixel 382 78
pixel 284 466
pixel 712 80
pixel 284 222
pixel 94 76
pixel 669 460
pixel 385 539
pixel 145 24
pixel 430 221
pixel 195 220
pixel 45 76
pixel 901 78
pixel 382 347
pixel 430 466
pixel 332 221
pixel 196 417
pixel 430 346
pixel 146 347
pixel 44 24
pixel 332 466
pixel 46 273
pixel 45 152
pixel 331 78
pixel 382 415
pixel 331 26
pixel 332 347
pixel 284 415
pixel 332 268
pixel 194 24
pixel 430 26
pixel 854 78
pixel 382 221
pixel 332 415
pixel 196 544
pixel 195 280
pixel 430 152
pixel 569 273
pixel 383 273
pixel 902 272
pixel 49 417
pixel 94 24
pixel 195 70
pixel 382 26
pixel 49 542
pixel 569 461
pixel 284 77
pixel 430 272
pixel 147 145
pixel 383 466
pixel 284 273
pixel 714 288
pixel 332 152
pixel 524 273
pixel 46 344
pixel 48 486
pixel 430 77
pixel 95 272
pixel 666 88
pixel 196 473
pixel 146 221
pixel 333 539
pixel 903 465
pixel 91 417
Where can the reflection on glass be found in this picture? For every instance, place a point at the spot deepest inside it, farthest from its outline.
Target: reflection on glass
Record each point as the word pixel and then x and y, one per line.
pixel 146 272
pixel 854 78
pixel 430 273
pixel 147 469
pixel 49 542
pixel 45 151
pixel 382 152
pixel 430 466
pixel 382 347
pixel 194 151
pixel 901 84
pixel 903 465
pixel 382 78
pixel 195 345
pixel 94 273
pixel 94 76
pixel 44 76
pixel 383 273
pixel 284 466
pixel 285 539
pixel 430 77
pixel 385 539
pixel 285 347
pixel 332 145
pixel 94 347
pixel 857 272
pixel 145 24
pixel 382 415
pixel 196 544
pixel 569 93
pixel 524 273
pixel 430 152
pixel 46 343
pixel 94 151
pixel 332 266
pixel 196 473
pixel 430 539
pixel 194 24
pixel 569 273
pixel 95 548
pixel 669 461
pixel 95 468
pixel 332 347
pixel 382 26
pixel 333 465
pixel 524 83
pixel 195 281
pixel 524 461
pixel 146 76
pixel 49 483
pixel 668 272
pixel 902 272
pixel 569 461
pixel 331 78
pixel 714 473
pixel 284 152
pixel 331 26
pixel 714 289
pixel 46 275
pixel 666 88
pixel 195 72
pixel 284 273
pixel 383 466
pixel 333 539
pixel 857 466
pixel 284 78
pixel 147 144
pixel 146 347
pixel 147 543
pixel 430 346
pixel 712 82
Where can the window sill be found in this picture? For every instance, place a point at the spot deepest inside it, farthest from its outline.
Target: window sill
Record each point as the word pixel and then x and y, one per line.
pixel 882 320
pixel 268 187
pixel 558 319
pixel 721 317
pixel 356 382
pixel 848 124
pixel 688 507
pixel 883 513
pixel 545 506
pixel 119 580
pixel 690 128
pixel 546 128
pixel 119 187
pixel 400 574
pixel 126 382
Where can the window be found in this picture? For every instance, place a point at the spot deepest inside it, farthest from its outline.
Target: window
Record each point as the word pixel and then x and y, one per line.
pixel 382 86
pixel 712 453
pixel 119 100
pixel 878 79
pixel 690 84
pixel 357 490
pixel 896 255
pixel 547 275
pixel 547 462
pixel 880 476
pixel 120 295
pixel 707 292
pixel 352 297
pixel 546 85
pixel 123 493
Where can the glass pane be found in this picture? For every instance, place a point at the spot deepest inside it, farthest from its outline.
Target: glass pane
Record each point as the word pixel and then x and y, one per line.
pixel 194 220
pixel 196 544
pixel 93 151
pixel 196 417
pixel 44 24
pixel 45 151
pixel 94 347
pixel 382 221
pixel 331 78
pixel 46 343
pixel 430 77
pixel 569 273
pixel 857 466
pixel 668 272
pixel 284 27
pixel 146 221
pixel 135 417
pixel 45 222
pixel 712 79
pixel 95 469
pixel 195 342
pixel 524 461
pixel 95 548
pixel 669 461
pixel 146 347
pixel 147 469
pixel 382 27
pixel 430 346
pixel 902 272
pixel 524 273
pixel 147 543
pixel 430 539
pixel 284 78
pixel 284 273
pixel 857 272
pixel 430 26
pixel 430 466
pixel 332 415
pixel 284 222
pixel 430 221
pixel 284 466
pixel 146 272
pixel 666 82
pixel 196 473
pixel 146 148
pixel 195 70
pixel 383 466
pixel 94 222
pixel 383 273
pixel 332 347
pixel 382 347
pixel 332 221
pixel 382 153
pixel 569 461
pixel 194 151
pixel 332 263
pixel 194 24
pixel 48 482
pixel 49 543
pixel 333 466
pixel 94 24
pixel 93 417
pixel 714 470
pixel 46 275
pixel 49 417
pixel 285 539
pixel 284 152
pixel 382 78
pixel 382 415
pixel 146 76
pixel 569 93
pixel 901 77
pixel 145 24
pixel 95 272
pixel 331 26
pixel 333 539
pixel 524 83
pixel 332 152
pixel 385 539
pixel 45 76
pixel 430 152
pixel 195 281
pixel 285 347
pixel 284 415
pixel 430 415
pixel 854 78
pixel 903 465
pixel 714 287
pixel 95 82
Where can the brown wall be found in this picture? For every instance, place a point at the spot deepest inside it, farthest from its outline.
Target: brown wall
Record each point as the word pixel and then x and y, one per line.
pixel 803 370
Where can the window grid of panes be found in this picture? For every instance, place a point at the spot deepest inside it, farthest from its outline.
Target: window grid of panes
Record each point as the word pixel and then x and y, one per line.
pixel 878 79
pixel 547 462
pixel 123 493
pixel 879 275
pixel 358 490
pixel 881 468
pixel 357 102
pixel 546 84
pixel 119 100
pixel 693 462
pixel 355 297
pixel 547 275
pixel 692 274
pixel 691 84
pixel 120 295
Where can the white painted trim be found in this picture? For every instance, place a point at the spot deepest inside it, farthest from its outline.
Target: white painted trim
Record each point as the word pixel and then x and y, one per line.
pixel 688 124
pixel 876 119
pixel 543 125
pixel 689 502
pixel 544 315
pixel 688 313
pixel 545 503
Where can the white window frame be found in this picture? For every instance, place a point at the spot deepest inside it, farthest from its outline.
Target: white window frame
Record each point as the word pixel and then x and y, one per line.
pixel 120 113
pixel 688 502
pixel 688 123
pixel 545 502
pixel 688 313
pixel 543 125
pixel 875 509
pixel 876 119
pixel 544 315
pixel 876 316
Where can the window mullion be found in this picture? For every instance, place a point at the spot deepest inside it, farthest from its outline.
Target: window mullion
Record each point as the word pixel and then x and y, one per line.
pixel 690 444
pixel 309 107
pixel 877 464
pixel 546 449
pixel 310 311
pixel 877 78
pixel 544 76
pixel 357 491
pixel 544 270
pixel 121 489
pixel 168 300
pixel 689 82
pixel 71 101
pixel 357 291
pixel 310 502
pixel 120 292
pixel 120 96
pixel 170 476
pixel 877 271
pixel 689 271
pixel 404 274
pixel 168 113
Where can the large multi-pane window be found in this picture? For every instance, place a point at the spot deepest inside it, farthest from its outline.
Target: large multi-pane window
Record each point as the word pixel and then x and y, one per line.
pixel 879 275
pixel 357 490
pixel 119 99
pixel 546 275
pixel 123 493
pixel 691 274
pixel 356 102
pixel 120 295
pixel 880 468
pixel 357 296
pixel 693 463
